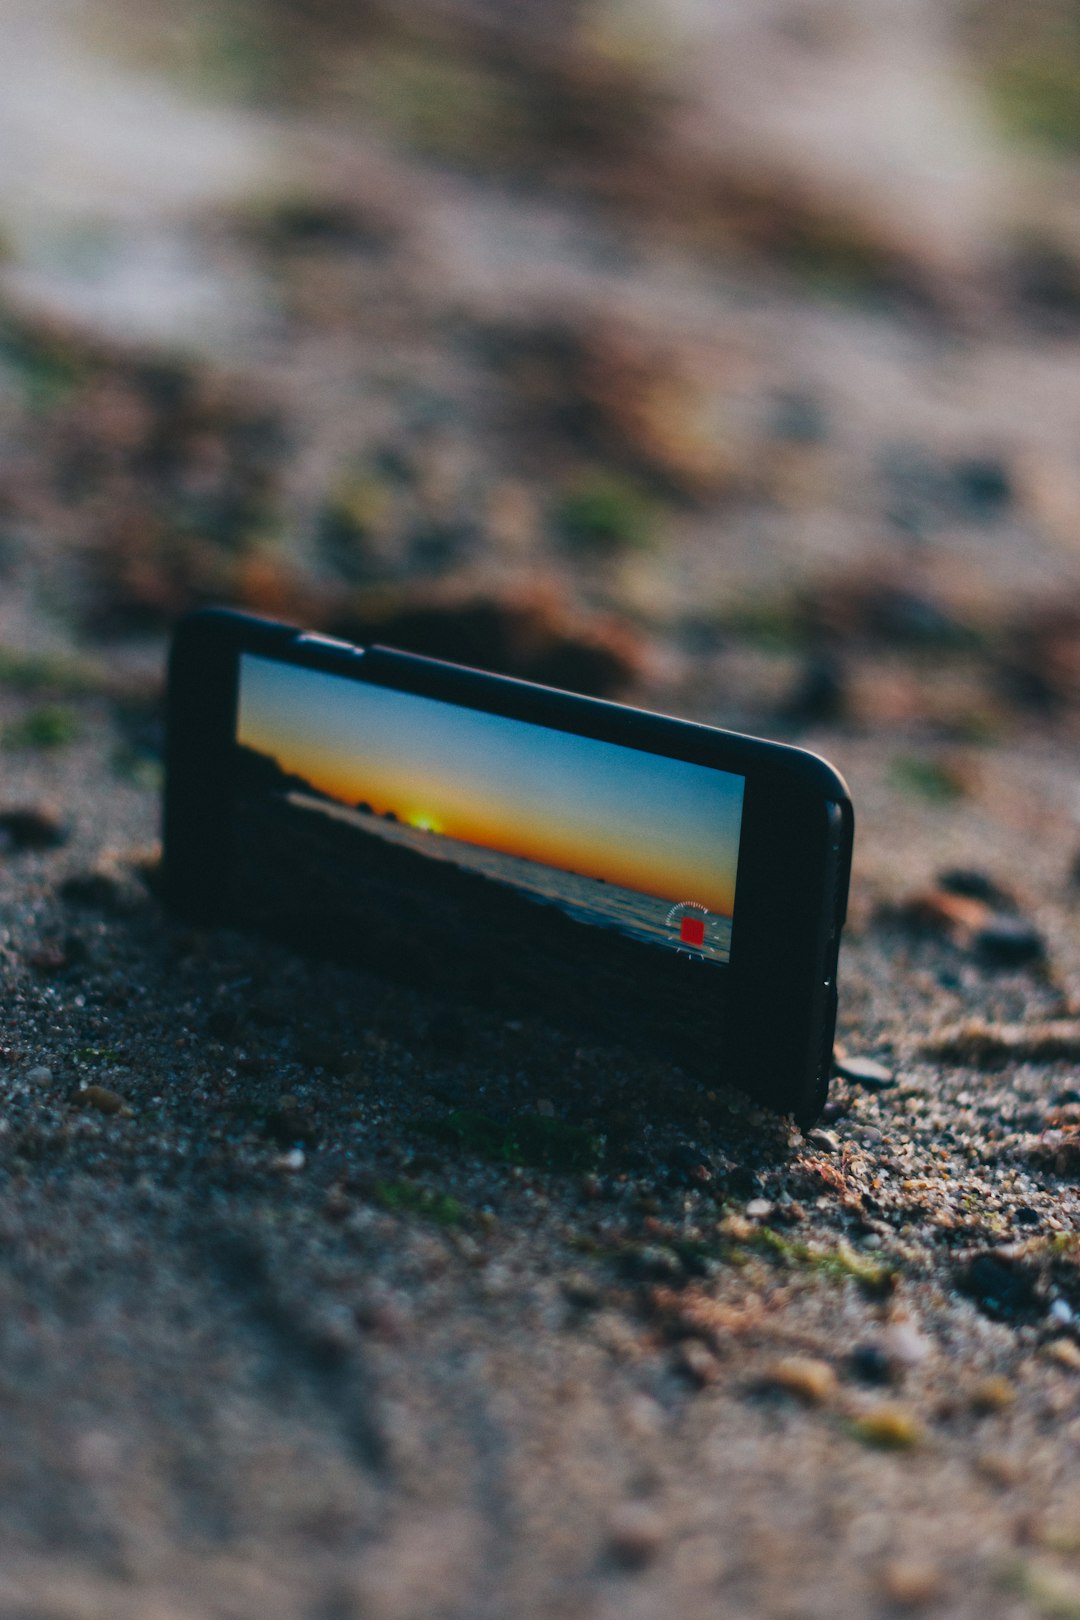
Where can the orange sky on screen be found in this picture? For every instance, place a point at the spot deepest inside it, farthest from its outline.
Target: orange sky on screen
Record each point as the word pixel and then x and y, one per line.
pixel 663 827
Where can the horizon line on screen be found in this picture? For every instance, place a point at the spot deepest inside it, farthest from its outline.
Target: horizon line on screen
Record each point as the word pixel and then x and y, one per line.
pixel 647 822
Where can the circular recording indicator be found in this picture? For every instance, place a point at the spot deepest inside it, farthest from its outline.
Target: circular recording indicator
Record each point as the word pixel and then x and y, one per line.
pixel 689 917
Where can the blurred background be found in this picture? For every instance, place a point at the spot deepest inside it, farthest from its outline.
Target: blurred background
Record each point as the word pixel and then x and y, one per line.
pixel 718 356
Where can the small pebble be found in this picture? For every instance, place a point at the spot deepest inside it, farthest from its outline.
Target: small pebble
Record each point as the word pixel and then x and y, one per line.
pixel 580 1289
pixel 336 1204
pixel 911 1583
pixel 864 1072
pixel 635 1535
pixel 992 1394
pixel 1065 1352
pixel 827 1141
pixel 1061 1312
pixel 545 1108
pixel 955 914
pixel 904 1344
pixel 1009 942
pixel 999 1468
pixel 32 827
pixel 101 1098
pixel 975 885
pixel 890 1427
pixel 985 485
pixel 697 1362
pixel 1000 1285
pixel 758 1208
pixel 806 1377
pixel 39 1076
pixel 871 1364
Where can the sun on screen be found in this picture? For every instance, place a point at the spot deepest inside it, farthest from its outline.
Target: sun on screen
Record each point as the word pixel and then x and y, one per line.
pixel 423 822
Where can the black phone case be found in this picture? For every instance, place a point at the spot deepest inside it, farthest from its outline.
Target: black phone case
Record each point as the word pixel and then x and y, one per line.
pixel 769 1023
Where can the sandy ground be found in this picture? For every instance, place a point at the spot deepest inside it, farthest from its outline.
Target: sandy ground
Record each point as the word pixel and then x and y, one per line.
pixel 272 1343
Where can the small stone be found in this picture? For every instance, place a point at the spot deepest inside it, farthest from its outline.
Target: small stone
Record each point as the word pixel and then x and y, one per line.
pixel 1061 1313
pixel 871 1364
pixel 653 1261
pixel 986 1045
pixel 1010 942
pixel 545 1108
pixel 32 827
pixel 1065 1352
pixel 101 1098
pixel 336 1204
pixel 39 1075
pixel 291 1161
pixel 889 1427
pixel 864 1072
pixel 999 1468
pixel 992 1394
pixel 697 1363
pixel 826 1141
pixel 580 1290
pixel 957 915
pixel 289 1126
pixel 1002 1286
pixel 635 1535
pixel 758 1208
pixel 975 885
pixel 910 1582
pixel 984 485
pixel 904 1344
pixel 809 1379
pixel 47 959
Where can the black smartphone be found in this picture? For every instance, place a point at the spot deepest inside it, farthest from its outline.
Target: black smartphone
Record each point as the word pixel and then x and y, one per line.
pixel 646 879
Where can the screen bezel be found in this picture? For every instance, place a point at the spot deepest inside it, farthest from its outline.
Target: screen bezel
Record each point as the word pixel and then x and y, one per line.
pixel 794 848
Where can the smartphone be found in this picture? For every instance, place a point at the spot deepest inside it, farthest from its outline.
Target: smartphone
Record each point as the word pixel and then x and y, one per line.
pixel 643 879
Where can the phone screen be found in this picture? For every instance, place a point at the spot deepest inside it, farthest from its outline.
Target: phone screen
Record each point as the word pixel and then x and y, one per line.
pixel 408 832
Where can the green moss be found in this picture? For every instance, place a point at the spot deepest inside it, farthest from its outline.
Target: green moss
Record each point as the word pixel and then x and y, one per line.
pixel 405 1197
pixel 137 766
pixel 835 256
pixel 528 1140
pixel 604 512
pixel 927 778
pixel 442 104
pixel 876 1278
pixel 1036 94
pixel 100 1054
pixel 773 623
pixel 45 672
pixel 49 726
pixel 47 368
pixel 889 1429
pixel 353 522
pixel 1050 1593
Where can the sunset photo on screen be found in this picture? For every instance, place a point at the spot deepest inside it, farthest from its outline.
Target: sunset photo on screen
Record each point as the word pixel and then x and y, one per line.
pixel 610 835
